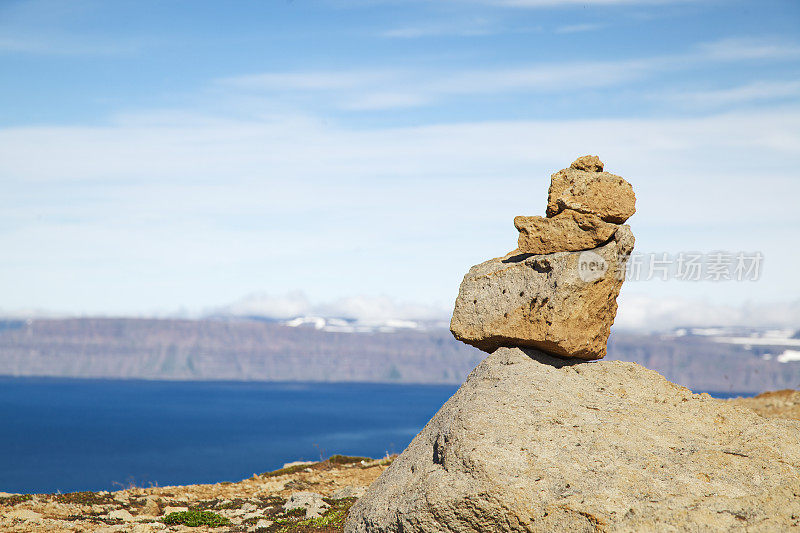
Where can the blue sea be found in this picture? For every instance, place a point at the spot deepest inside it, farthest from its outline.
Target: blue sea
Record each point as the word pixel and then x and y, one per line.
pixel 76 434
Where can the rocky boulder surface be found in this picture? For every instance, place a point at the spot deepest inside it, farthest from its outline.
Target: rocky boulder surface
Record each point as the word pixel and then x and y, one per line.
pixel 778 404
pixel 535 443
pixel 567 231
pixel 562 303
pixel 585 188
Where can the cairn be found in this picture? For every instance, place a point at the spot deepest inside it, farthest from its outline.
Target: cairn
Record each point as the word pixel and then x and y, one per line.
pixel 538 439
pixel 557 292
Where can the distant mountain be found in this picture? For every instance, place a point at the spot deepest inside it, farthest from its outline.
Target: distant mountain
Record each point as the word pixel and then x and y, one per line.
pixel 324 349
pixel 247 350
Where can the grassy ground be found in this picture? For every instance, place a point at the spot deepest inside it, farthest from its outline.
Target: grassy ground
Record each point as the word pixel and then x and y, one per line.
pixel 252 505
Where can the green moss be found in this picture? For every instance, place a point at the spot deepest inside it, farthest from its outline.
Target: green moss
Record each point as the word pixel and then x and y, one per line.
pixel 195 519
pixel 346 459
pixel 288 470
pixel 386 461
pixel 84 498
pixel 331 521
pixel 328 463
pixel 15 499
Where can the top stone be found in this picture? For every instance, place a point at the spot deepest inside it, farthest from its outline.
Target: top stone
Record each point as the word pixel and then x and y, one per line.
pixel 589 163
pixel 585 188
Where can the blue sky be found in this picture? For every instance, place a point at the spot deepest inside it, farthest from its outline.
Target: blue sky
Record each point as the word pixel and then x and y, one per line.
pixel 165 155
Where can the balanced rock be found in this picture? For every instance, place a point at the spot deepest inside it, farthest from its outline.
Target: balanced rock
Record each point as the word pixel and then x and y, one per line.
pixel 589 163
pixel 567 231
pixel 533 443
pixel 591 191
pixel 558 291
pixel 562 303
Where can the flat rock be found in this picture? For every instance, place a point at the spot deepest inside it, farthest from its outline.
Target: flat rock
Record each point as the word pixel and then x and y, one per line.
pixel 562 303
pixel 532 443
pixel 598 193
pixel 312 502
pixel 348 492
pixel 23 514
pixel 568 231
pixel 121 514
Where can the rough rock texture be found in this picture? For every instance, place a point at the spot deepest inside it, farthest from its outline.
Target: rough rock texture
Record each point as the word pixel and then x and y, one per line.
pixel 312 502
pixel 554 303
pixel 778 404
pixel 599 193
pixel 531 443
pixel 589 163
pixel 567 231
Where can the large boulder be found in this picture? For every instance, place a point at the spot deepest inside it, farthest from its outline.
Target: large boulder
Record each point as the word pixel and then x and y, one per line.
pixel 562 303
pixel 591 191
pixel 568 231
pixel 534 443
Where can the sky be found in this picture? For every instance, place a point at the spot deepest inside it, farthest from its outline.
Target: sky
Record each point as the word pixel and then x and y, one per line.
pixel 184 156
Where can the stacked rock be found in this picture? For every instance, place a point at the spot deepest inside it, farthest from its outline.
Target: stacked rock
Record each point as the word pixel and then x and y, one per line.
pixel 536 443
pixel 557 292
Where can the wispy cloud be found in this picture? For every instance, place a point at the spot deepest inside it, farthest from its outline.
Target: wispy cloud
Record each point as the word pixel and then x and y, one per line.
pixel 372 90
pixel 311 81
pixel 382 101
pixel 50 27
pixel 467 28
pixel 65 45
pixel 185 201
pixel 739 49
pixel 751 92
pixel 365 309
pixel 659 314
pixel 357 90
pixel 579 28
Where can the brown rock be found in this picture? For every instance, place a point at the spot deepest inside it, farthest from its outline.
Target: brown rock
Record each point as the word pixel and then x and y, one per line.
pixel 562 303
pixel 568 231
pixel 773 404
pixel 599 193
pixel 152 507
pixel 590 163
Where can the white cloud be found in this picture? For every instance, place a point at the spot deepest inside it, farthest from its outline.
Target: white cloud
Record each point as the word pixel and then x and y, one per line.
pixel 43 27
pixel 751 92
pixel 381 309
pixel 370 90
pixel 65 45
pixel 366 310
pixel 383 101
pixel 279 307
pixel 659 314
pixel 578 28
pixel 177 147
pixel 178 209
pixel 310 81
pixel 739 49
pixel 467 28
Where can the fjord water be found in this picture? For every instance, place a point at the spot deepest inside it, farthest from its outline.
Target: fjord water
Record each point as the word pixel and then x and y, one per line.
pixel 75 434
pixel 78 434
